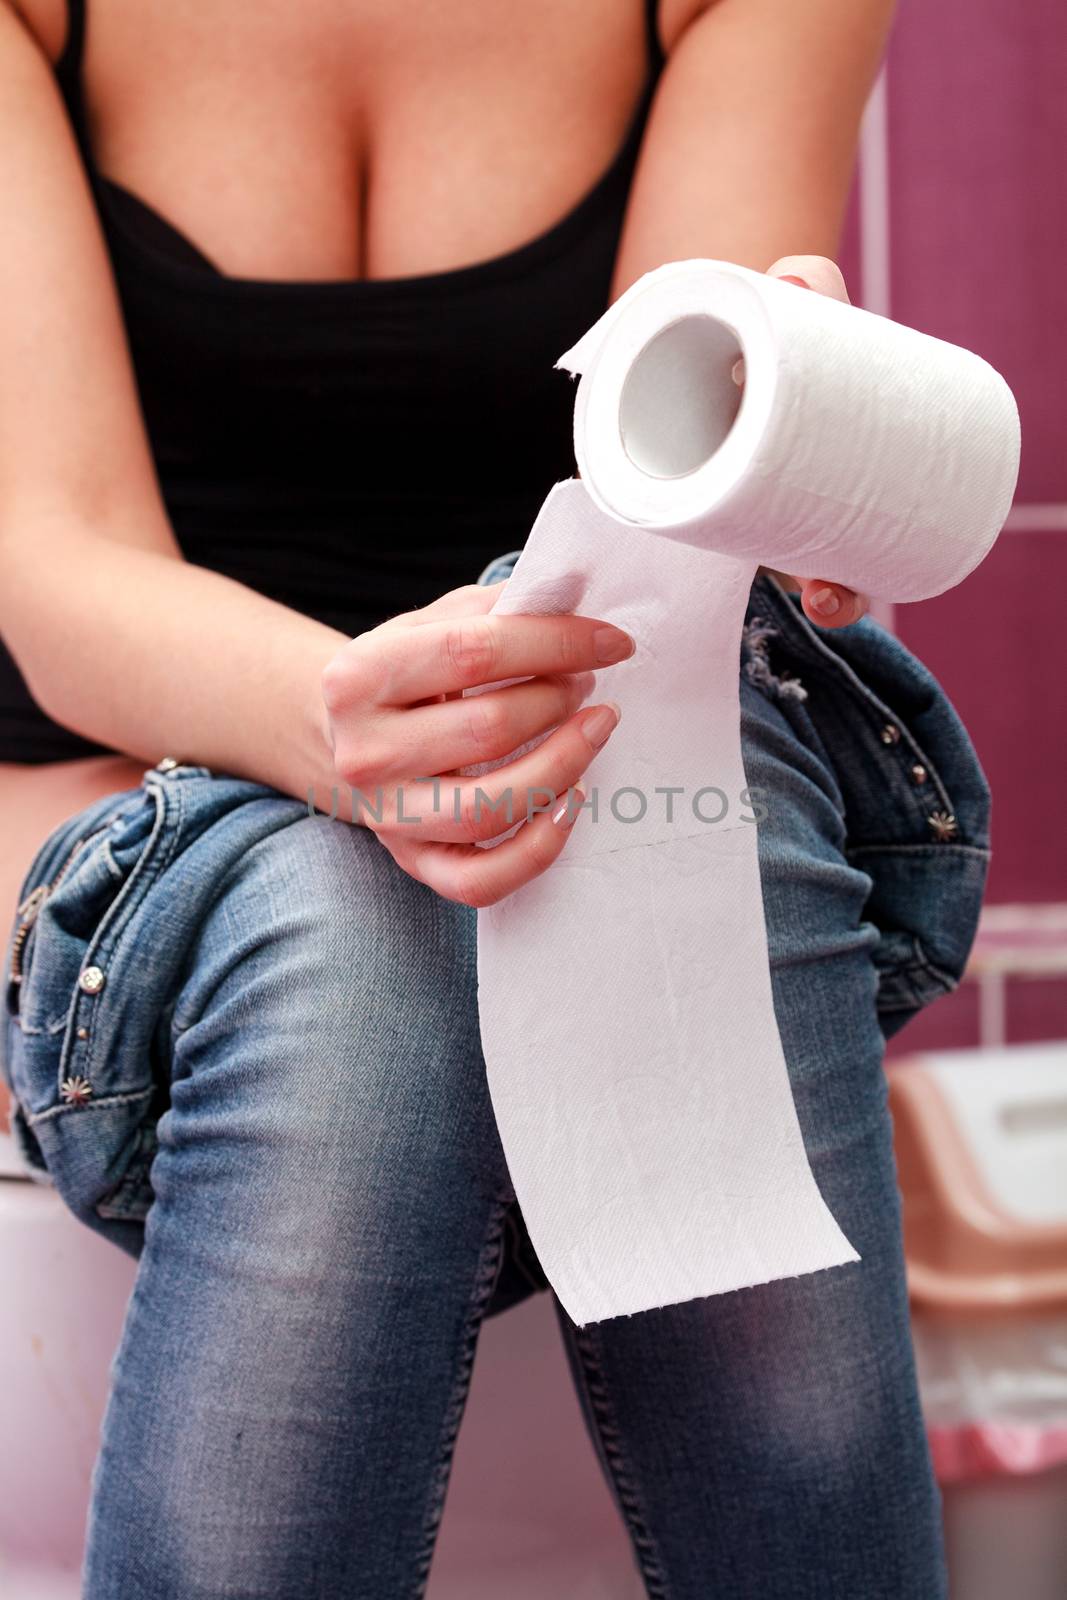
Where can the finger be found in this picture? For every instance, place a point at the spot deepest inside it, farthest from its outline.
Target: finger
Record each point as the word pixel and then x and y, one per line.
pixel 465 652
pixel 463 731
pixel 831 605
pixel 452 809
pixel 814 272
pixel 481 877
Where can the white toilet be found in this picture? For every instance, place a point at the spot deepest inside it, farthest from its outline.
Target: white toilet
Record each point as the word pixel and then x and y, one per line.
pixel 528 1514
pixel 62 1296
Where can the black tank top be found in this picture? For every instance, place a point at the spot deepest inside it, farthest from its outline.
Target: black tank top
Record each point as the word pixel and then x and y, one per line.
pixel 355 448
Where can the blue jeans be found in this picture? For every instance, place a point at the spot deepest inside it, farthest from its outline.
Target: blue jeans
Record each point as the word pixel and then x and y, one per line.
pixel 244 1046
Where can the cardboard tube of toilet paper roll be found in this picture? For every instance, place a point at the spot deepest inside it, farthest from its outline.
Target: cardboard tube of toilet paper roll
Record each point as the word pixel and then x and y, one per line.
pixel 625 1000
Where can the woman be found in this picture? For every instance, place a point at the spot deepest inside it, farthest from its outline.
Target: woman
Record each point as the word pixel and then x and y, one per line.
pixel 278 387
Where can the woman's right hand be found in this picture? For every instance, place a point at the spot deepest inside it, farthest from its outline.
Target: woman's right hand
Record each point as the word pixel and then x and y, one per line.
pixel 397 717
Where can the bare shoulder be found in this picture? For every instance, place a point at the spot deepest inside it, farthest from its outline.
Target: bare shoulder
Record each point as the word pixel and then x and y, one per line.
pixel 44 20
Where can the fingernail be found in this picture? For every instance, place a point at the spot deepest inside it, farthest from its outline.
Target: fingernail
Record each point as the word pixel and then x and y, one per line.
pixel 737 371
pixel 567 815
pixel 611 644
pixel 601 723
pixel 825 602
pixel 791 277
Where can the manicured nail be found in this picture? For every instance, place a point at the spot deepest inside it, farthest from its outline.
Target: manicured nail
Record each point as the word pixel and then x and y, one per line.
pixel 601 723
pixel 825 602
pixel 611 644
pixel 567 815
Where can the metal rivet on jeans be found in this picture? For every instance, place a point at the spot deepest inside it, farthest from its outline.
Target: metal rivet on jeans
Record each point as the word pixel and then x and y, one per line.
pixel 918 774
pixel 944 825
pixel 83 1033
pixel 92 980
pixel 166 765
pixel 890 734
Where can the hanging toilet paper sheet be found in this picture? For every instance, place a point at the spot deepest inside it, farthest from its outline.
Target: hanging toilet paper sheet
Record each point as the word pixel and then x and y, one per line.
pixel 625 1000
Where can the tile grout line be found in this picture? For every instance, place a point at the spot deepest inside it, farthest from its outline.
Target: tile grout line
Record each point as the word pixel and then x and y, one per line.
pixel 1036 517
pixel 874 226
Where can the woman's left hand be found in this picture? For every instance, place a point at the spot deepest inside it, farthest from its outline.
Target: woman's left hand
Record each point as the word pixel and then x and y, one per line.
pixel 829 605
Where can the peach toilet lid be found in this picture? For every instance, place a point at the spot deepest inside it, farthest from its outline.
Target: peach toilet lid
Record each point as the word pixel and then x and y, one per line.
pixel 981 1149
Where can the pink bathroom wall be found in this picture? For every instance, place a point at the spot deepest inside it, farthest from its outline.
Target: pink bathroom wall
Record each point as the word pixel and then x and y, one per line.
pixel 958 226
pixel 976 226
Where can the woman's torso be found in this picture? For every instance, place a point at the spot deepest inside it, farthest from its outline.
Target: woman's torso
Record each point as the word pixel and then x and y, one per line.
pixel 350 243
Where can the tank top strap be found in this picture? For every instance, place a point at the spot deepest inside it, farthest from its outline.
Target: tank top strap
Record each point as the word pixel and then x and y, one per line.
pixel 68 69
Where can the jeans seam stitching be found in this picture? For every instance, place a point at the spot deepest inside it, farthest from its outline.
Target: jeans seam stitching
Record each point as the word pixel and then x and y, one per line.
pixel 125 1098
pixel 938 851
pixel 611 1439
pixel 110 931
pixel 485 1277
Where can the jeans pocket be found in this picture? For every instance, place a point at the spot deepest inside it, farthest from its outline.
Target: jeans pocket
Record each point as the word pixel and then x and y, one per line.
pixel 77 1120
pixel 61 916
pixel 925 901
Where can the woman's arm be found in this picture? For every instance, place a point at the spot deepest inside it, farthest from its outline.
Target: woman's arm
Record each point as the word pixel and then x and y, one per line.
pixel 123 640
pixel 751 141
pixel 118 637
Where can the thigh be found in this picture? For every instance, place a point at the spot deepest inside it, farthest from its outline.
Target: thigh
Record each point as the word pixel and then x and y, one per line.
pixel 769 1442
pixel 312 1170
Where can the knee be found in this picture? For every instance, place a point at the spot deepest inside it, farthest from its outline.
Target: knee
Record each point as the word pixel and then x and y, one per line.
pixel 821 946
pixel 321 905
pixel 328 1031
pixel 830 1397
pixel 813 895
pixel 802 832
pixel 318 939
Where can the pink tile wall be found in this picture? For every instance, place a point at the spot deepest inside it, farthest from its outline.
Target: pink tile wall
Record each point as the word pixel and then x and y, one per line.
pixel 978 135
pixel 977 229
pixel 968 232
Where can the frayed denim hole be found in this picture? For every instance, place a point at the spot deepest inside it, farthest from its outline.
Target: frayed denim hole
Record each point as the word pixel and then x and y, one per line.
pixel 756 635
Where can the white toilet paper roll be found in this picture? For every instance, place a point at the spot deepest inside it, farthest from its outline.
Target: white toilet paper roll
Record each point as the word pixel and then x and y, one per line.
pixel 625 1001
pixel 862 450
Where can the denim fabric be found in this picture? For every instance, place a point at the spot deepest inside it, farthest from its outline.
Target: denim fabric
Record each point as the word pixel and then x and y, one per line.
pixel 245 1048
pixel 908 775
